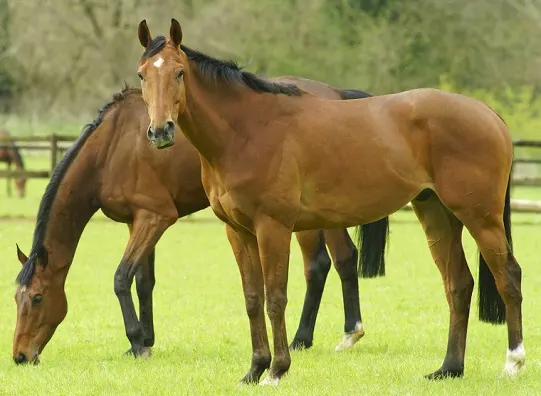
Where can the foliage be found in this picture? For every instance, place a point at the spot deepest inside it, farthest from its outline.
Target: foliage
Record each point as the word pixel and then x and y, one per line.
pixel 72 54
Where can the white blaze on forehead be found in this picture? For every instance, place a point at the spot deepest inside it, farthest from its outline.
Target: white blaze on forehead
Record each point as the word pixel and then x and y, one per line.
pixel 159 62
pixel 23 289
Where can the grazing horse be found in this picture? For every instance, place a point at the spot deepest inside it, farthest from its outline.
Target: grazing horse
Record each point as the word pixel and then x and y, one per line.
pixel 9 153
pixel 276 160
pixel 112 167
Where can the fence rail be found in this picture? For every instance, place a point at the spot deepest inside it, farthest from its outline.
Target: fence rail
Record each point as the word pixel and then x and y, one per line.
pixel 55 144
pixel 527 143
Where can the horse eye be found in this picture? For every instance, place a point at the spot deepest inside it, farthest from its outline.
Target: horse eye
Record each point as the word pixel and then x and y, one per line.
pixel 37 299
pixel 140 76
pixel 180 74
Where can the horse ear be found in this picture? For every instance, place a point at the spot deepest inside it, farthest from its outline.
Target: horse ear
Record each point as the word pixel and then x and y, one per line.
pixel 175 32
pixel 21 256
pixel 144 34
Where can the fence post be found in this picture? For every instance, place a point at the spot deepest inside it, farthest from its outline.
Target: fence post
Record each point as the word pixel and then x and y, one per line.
pixel 54 152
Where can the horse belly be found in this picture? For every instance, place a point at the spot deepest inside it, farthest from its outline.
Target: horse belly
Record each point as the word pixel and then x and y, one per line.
pixel 355 202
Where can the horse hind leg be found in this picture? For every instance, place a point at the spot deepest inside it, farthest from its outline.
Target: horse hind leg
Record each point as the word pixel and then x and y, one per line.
pixel 317 264
pixel 344 256
pixel 444 234
pixel 487 217
pixel 489 234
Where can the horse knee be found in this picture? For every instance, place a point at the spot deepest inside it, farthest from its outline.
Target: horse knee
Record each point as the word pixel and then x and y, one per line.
pixel 460 293
pixel 276 303
pixel 253 304
pixel 122 281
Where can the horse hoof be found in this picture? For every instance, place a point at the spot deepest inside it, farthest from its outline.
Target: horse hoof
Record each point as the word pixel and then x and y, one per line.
pixel 511 371
pixel 270 381
pixel 515 363
pixel 144 352
pixel 249 379
pixel 351 339
pixel 443 374
pixel 299 345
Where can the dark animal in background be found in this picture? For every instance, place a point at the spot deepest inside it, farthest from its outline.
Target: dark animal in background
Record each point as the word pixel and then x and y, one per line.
pixel 10 154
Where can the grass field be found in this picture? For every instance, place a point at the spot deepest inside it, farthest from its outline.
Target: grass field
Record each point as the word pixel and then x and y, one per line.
pixel 202 334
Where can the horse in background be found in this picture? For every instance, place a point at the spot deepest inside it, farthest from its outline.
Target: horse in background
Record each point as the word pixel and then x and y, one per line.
pixel 10 154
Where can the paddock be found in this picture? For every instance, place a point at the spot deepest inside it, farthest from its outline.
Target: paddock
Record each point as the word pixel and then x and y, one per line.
pixel 201 327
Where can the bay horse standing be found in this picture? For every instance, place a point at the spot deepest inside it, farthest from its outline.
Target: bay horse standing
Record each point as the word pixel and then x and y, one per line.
pixel 10 154
pixel 276 160
pixel 135 184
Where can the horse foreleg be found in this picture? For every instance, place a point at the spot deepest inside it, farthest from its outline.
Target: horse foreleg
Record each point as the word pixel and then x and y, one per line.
pixel 317 264
pixel 145 232
pixel 145 281
pixel 273 241
pixel 344 256
pixel 244 248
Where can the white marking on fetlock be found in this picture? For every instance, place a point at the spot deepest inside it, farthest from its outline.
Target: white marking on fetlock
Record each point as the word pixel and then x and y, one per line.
pixel 351 339
pixel 158 63
pixel 270 380
pixel 516 359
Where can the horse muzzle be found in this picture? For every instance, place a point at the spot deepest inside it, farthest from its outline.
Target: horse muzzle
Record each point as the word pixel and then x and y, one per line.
pixel 162 137
pixel 21 358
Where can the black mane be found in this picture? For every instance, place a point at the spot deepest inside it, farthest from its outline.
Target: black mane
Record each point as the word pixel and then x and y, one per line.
pixel 155 46
pixel 347 94
pixel 226 71
pixel 38 249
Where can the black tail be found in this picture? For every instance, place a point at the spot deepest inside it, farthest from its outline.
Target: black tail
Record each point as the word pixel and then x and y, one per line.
pixel 372 239
pixel 491 306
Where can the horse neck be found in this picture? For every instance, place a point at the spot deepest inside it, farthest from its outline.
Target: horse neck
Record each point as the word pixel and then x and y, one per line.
pixel 74 204
pixel 211 119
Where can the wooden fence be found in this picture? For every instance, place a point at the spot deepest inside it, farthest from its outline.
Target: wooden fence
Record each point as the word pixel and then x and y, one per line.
pixel 58 144
pixel 534 181
pixel 55 144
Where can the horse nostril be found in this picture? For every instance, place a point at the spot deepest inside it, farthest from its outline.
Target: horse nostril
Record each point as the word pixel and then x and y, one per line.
pixel 20 358
pixel 150 134
pixel 169 127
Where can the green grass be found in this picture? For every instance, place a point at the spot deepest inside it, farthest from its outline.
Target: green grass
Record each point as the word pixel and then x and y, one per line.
pixel 202 334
